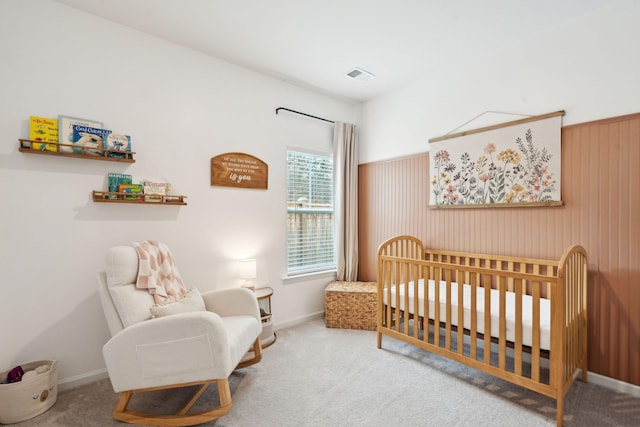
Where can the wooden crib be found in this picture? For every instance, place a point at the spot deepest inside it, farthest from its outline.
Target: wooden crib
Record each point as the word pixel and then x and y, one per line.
pixel 534 310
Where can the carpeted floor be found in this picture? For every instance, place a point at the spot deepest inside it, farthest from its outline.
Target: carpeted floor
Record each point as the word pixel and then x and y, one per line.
pixel 315 376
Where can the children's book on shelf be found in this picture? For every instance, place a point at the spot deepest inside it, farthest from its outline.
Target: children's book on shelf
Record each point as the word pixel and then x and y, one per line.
pixel 153 191
pixel 114 180
pixel 133 189
pixel 89 137
pixel 65 131
pixel 118 142
pixel 45 130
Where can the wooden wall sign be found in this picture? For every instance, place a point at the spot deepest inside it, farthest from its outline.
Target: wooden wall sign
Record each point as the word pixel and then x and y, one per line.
pixel 239 170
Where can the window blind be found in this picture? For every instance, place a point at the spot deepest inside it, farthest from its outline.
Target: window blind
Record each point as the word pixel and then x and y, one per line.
pixel 310 223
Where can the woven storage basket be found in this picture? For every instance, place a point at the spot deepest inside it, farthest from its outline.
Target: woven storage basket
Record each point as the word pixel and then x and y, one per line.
pixel 29 397
pixel 351 305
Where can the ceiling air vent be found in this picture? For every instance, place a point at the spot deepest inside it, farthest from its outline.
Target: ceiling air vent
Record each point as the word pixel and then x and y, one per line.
pixel 360 74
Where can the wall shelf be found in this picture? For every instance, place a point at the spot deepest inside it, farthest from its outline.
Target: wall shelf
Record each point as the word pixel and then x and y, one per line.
pixel 142 199
pixel 27 146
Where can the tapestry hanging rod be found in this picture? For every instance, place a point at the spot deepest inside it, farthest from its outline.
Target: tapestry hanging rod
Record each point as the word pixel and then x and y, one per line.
pixel 303 114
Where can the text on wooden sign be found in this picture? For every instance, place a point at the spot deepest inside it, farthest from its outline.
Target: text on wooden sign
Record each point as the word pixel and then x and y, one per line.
pixel 239 170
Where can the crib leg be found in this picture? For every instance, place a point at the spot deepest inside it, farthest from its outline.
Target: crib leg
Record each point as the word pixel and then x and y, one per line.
pixel 379 340
pixel 559 409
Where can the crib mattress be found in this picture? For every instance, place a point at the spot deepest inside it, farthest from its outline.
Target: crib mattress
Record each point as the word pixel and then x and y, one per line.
pixel 527 310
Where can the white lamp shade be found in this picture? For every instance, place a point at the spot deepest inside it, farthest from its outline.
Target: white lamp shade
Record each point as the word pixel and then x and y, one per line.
pixel 247 269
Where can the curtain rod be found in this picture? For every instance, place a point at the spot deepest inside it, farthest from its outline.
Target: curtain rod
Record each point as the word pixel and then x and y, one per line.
pixel 304 114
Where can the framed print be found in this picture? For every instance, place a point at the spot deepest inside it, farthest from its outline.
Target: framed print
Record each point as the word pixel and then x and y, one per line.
pixel 514 164
pixel 65 130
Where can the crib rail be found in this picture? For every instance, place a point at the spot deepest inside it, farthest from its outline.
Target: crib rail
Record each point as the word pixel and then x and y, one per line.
pixel 479 349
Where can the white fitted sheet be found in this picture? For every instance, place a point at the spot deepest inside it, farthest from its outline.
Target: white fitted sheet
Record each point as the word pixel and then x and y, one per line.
pixel 527 310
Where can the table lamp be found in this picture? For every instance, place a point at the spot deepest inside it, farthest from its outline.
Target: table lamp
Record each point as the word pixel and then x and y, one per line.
pixel 248 272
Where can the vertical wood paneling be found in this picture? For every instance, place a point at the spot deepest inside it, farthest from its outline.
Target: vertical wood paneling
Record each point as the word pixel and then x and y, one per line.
pixel 601 194
pixel 634 246
pixel 623 246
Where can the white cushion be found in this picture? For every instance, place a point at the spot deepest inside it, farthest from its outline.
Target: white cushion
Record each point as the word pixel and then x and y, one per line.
pixel 131 303
pixel 192 301
pixel 241 332
pixel 122 266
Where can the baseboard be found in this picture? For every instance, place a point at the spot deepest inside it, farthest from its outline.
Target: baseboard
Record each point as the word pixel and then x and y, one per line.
pixel 613 384
pixel 299 320
pixel 82 379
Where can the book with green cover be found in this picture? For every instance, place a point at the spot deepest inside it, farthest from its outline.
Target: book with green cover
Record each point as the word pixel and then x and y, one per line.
pixel 114 180
pixel 133 189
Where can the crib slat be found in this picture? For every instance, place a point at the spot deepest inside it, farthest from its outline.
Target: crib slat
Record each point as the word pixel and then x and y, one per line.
pixel 523 269
pixel 427 297
pixel 557 296
pixel 583 318
pixel 551 272
pixel 396 310
pixel 570 314
pixel 460 334
pixel 517 363
pixel 448 309
pixel 405 280
pixel 388 283
pixel 509 278
pixel 487 320
pixel 535 332
pixel 385 271
pixel 416 301
pixel 436 298
pixel 473 334
pixel 568 325
pixel 502 360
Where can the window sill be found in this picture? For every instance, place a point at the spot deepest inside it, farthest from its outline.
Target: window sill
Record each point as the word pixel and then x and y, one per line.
pixel 309 276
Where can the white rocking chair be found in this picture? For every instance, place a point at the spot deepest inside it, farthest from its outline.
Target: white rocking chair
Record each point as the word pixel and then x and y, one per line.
pixel 198 347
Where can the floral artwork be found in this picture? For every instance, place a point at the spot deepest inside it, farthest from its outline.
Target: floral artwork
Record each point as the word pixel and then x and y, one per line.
pixel 523 170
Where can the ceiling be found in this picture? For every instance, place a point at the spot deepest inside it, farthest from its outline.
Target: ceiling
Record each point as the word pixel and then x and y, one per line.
pixel 315 43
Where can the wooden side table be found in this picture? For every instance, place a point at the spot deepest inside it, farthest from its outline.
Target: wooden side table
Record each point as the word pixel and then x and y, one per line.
pixel 268 335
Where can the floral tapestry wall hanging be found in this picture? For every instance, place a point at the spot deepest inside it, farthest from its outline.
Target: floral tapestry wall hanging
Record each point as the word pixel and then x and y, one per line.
pixel 514 164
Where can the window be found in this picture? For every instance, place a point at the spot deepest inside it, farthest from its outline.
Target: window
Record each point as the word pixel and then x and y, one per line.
pixel 310 234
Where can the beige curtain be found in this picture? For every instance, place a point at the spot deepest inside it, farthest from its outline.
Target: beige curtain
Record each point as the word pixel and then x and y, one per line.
pixel 345 178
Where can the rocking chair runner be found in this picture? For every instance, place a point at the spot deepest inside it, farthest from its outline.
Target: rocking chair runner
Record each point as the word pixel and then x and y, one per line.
pixel 203 343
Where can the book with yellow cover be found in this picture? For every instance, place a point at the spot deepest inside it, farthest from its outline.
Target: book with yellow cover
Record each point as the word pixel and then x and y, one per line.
pixel 45 130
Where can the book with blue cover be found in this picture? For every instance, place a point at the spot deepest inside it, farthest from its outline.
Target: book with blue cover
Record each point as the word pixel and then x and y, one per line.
pixel 89 137
pixel 119 143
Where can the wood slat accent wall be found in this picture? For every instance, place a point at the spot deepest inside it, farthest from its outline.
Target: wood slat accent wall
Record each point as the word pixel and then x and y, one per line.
pixel 601 211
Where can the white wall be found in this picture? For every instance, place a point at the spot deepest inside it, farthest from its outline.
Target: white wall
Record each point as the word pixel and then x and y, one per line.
pixel 588 67
pixel 181 109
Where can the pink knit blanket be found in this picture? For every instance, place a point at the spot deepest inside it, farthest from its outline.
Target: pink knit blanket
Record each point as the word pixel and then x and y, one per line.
pixel 157 272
